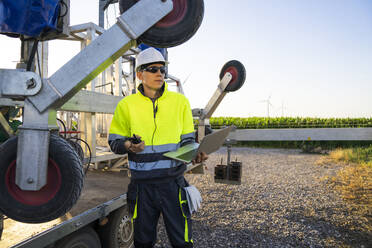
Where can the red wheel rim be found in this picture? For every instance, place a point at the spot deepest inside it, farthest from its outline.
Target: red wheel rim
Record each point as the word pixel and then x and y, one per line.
pixel 234 73
pixel 175 16
pixel 34 198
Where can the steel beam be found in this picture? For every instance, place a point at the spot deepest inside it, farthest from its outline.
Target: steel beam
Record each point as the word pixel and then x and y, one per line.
pixel 84 101
pixel 92 102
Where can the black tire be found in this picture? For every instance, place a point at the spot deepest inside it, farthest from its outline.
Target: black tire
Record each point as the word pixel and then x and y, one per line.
pixel 175 28
pixel 64 184
pixel 84 238
pixel 118 232
pixel 237 71
pixel 77 147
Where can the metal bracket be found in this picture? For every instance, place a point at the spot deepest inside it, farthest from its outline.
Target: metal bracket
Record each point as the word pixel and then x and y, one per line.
pixel 103 211
pixel 33 148
pixel 19 83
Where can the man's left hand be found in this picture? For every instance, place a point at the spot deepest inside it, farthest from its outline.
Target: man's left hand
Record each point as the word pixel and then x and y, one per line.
pixel 201 157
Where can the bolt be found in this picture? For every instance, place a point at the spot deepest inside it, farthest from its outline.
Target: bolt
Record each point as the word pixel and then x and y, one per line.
pixel 31 83
pixel 77 224
pixel 30 180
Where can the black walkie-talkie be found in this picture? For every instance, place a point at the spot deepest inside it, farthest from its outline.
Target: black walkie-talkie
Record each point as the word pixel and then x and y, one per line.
pixel 135 140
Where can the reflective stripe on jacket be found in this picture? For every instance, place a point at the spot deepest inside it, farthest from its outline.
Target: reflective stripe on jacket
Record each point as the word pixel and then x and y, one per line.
pixel 164 125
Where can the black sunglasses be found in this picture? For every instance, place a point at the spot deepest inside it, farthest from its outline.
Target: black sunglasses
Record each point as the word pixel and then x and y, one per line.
pixel 154 69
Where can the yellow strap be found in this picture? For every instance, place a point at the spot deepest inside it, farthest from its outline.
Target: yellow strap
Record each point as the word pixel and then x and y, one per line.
pixel 135 211
pixel 186 225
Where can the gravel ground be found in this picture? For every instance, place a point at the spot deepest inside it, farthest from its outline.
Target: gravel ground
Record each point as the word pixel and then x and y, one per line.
pixel 282 202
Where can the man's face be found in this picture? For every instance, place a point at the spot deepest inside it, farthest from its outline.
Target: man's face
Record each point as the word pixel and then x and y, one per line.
pixel 151 80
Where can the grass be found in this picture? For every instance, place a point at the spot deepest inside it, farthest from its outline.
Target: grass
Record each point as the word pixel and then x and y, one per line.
pixel 360 156
pixel 354 180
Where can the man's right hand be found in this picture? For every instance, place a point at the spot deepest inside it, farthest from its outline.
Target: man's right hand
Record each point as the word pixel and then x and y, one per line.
pixel 135 148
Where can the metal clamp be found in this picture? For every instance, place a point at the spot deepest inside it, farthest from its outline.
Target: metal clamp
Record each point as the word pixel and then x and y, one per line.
pixel 151 11
pixel 19 83
pixel 126 28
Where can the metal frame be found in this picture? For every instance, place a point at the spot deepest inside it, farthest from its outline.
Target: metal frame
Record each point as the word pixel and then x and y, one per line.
pixel 69 79
pixel 302 134
pixel 172 79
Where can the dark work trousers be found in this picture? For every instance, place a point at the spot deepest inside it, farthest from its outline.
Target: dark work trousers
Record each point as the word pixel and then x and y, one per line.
pixel 145 203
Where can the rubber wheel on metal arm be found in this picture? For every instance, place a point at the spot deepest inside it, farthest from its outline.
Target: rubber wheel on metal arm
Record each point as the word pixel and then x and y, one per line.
pixel 118 232
pixel 64 184
pixel 237 71
pixel 175 28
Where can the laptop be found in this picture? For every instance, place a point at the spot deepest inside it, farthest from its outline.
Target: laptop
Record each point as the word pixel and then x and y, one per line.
pixel 209 144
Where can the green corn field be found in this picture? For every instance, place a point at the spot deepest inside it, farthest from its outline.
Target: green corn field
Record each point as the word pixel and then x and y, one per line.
pixel 294 122
pixel 289 122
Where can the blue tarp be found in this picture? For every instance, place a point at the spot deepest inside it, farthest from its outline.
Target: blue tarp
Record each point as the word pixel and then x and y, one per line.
pixel 28 17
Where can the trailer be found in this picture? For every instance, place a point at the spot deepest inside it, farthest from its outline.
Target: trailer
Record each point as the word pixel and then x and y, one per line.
pixel 87 224
pixel 33 187
pixel 43 181
pixel 32 178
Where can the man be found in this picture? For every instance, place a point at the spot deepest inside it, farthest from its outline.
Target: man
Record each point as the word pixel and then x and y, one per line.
pixel 163 122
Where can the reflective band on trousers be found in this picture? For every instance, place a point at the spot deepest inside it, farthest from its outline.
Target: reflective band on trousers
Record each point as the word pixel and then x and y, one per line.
pixel 135 211
pixel 186 225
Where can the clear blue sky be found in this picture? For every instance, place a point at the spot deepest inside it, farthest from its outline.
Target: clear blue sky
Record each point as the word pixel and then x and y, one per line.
pixel 312 57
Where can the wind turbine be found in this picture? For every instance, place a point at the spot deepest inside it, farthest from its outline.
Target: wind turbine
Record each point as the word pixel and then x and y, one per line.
pixel 267 101
pixel 282 108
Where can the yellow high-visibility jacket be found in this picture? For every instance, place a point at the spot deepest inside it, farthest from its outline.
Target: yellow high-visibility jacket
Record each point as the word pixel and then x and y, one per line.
pixel 164 124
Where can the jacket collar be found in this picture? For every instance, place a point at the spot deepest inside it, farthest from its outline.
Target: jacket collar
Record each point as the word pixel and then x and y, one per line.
pixel 163 90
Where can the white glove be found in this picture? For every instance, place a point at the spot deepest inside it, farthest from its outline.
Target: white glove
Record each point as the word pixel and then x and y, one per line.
pixel 193 198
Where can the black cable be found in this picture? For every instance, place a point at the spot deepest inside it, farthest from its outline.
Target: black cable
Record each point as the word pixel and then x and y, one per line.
pixel 153 134
pixel 77 148
pixel 90 152
pixel 64 128
pixel 63 3
pixel 38 62
pixel 32 55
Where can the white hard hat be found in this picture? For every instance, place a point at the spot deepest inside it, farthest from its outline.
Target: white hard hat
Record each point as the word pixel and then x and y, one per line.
pixel 149 56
